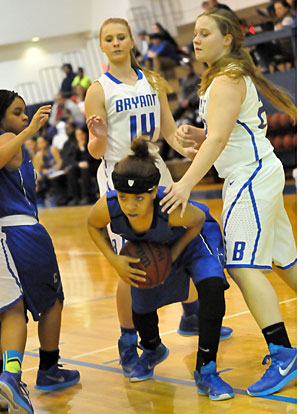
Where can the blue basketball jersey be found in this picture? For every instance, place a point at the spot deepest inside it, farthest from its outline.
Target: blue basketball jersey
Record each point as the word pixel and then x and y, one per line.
pixel 200 259
pixel 17 189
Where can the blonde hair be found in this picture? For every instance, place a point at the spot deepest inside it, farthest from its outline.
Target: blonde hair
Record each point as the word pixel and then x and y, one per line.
pixel 238 63
pixel 157 82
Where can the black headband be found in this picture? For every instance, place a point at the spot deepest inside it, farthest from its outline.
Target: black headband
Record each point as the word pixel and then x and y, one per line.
pixel 135 185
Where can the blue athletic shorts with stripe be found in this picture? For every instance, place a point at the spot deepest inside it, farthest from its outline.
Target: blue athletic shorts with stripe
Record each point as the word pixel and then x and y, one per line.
pixel 32 260
pixel 256 227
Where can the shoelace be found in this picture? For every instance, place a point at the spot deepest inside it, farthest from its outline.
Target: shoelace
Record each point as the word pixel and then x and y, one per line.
pixel 23 387
pixel 274 363
pixel 214 378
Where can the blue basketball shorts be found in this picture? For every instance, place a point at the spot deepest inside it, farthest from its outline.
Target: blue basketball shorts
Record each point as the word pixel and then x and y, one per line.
pixel 32 251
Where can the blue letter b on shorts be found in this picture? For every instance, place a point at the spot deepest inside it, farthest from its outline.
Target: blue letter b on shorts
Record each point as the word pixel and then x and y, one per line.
pixel 238 250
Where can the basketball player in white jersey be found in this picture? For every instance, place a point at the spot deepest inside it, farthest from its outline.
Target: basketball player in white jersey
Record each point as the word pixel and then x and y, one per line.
pixel 127 102
pixel 256 227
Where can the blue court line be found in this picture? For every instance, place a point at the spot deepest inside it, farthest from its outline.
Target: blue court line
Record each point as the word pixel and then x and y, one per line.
pixel 160 378
pixel 216 193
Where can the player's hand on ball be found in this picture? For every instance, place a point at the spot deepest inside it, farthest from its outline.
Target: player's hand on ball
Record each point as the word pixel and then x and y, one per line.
pixel 128 273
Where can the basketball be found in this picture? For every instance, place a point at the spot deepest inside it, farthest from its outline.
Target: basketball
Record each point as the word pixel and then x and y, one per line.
pixel 155 260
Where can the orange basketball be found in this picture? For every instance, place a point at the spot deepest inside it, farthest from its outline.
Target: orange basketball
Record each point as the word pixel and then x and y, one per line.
pixel 155 260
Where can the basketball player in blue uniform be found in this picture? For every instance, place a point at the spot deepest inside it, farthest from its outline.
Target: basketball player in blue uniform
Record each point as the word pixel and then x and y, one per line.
pixel 134 212
pixel 126 102
pixel 256 229
pixel 29 277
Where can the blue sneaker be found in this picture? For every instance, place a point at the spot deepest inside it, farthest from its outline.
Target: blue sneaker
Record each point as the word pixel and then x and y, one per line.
pixel 209 383
pixel 282 370
pixel 127 346
pixel 189 326
pixel 15 393
pixel 144 368
pixel 55 378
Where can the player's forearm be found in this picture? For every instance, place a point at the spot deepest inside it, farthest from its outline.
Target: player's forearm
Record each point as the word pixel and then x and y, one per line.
pixel 175 145
pixel 187 237
pixel 101 239
pixel 203 161
pixel 96 146
pixel 9 148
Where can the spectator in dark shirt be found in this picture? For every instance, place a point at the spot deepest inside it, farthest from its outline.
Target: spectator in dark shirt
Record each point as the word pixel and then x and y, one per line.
pixel 66 86
pixel 189 91
pixel 80 173
pixel 158 28
pixel 161 55
pixel 188 102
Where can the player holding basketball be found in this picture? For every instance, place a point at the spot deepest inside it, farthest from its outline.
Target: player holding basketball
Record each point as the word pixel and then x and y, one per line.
pixel 126 102
pixel 256 227
pixel 30 278
pixel 133 211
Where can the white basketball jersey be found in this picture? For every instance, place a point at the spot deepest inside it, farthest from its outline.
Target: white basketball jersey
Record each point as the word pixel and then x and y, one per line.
pixel 247 142
pixel 132 111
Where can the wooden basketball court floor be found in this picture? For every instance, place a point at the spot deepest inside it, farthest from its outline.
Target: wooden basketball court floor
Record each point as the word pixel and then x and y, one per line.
pixel 90 333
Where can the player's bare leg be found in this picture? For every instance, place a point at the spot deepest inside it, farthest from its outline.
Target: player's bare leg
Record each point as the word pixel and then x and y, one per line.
pixel 289 276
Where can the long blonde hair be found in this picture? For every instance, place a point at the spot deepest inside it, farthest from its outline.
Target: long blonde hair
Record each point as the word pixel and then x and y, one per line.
pixel 157 82
pixel 238 63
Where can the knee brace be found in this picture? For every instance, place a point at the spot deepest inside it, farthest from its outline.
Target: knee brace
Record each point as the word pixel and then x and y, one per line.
pixel 211 298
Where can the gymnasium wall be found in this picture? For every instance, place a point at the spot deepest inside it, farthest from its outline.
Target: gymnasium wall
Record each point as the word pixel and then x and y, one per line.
pixel 68 31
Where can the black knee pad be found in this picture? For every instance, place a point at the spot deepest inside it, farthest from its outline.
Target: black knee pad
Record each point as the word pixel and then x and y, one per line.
pixel 147 326
pixel 211 298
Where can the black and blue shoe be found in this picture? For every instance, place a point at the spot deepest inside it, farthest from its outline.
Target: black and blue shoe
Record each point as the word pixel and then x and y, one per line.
pixel 148 360
pixel 209 383
pixel 56 378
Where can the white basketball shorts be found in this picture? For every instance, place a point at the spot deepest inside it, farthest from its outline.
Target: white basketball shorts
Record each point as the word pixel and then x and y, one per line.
pixel 256 227
pixel 10 287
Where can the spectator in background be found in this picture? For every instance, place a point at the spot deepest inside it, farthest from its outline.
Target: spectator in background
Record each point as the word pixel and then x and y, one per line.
pixel 283 14
pixel 214 3
pixel 81 79
pixel 66 86
pixel 165 35
pixel 284 47
pixel 31 147
pixel 161 54
pixel 189 91
pixel 158 28
pixel 145 41
pixel 293 7
pixel 62 108
pixel 47 163
pixel 188 101
pixel 81 171
pixel 79 97
pixel 206 5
